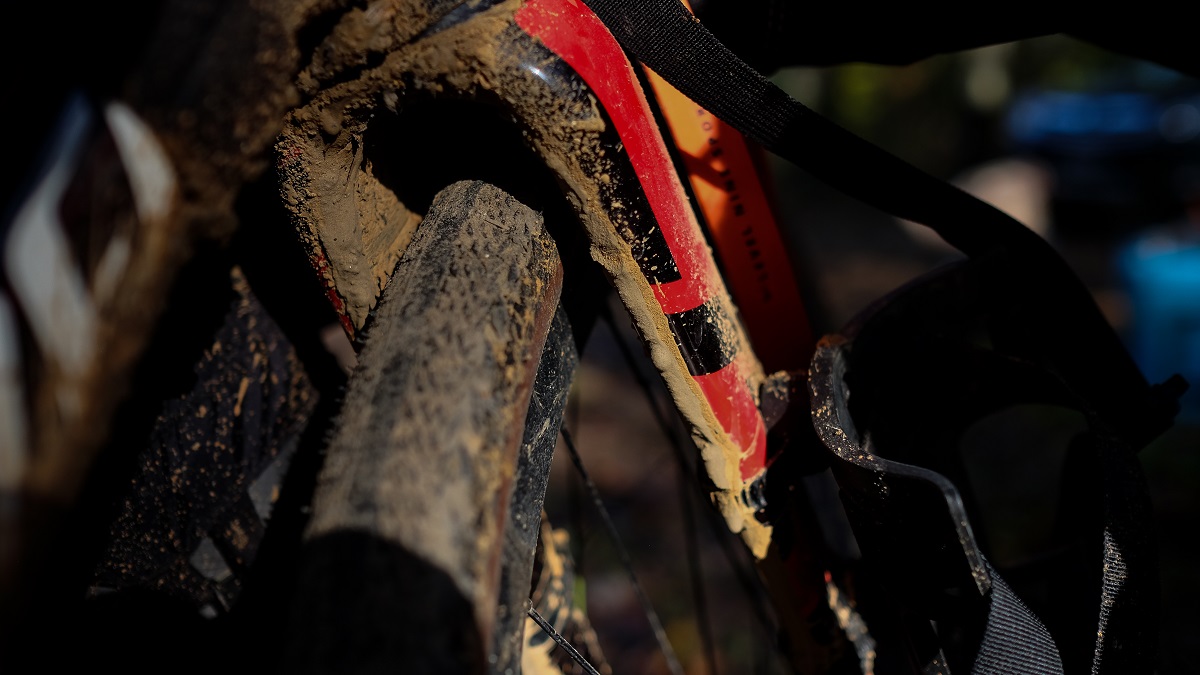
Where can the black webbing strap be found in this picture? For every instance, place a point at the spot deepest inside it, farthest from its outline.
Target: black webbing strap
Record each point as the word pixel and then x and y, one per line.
pixel 1126 638
pixel 1014 640
pixel 666 37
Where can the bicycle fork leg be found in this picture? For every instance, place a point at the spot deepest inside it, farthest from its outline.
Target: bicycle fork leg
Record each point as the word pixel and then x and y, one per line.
pixel 403 550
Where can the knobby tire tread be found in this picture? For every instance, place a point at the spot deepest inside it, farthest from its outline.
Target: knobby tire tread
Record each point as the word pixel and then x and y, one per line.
pixel 402 559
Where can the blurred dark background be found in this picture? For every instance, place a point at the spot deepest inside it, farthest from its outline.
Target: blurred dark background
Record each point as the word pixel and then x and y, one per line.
pixel 1098 153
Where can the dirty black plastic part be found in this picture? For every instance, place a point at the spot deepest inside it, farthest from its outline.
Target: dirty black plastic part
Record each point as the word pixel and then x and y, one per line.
pixel 892 397
pixel 547 406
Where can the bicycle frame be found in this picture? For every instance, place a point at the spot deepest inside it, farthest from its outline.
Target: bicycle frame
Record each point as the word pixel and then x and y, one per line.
pixel 554 70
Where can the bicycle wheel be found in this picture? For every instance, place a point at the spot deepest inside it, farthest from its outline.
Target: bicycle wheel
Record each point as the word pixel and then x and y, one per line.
pixel 407 556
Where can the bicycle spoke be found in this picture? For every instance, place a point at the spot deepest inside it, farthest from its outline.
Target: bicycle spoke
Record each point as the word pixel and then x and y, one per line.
pixel 686 477
pixel 561 642
pixel 695 572
pixel 659 633
pixel 747 578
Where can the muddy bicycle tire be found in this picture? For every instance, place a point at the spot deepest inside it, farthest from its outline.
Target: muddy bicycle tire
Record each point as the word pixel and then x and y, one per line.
pixel 404 554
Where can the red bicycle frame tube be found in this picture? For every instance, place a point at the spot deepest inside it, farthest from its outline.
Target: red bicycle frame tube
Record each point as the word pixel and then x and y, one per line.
pixel 573 32
pixel 696 297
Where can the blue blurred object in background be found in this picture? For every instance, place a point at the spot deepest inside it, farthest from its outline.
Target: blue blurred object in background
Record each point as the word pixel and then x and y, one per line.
pixel 1162 271
pixel 1124 153
pixel 1125 150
